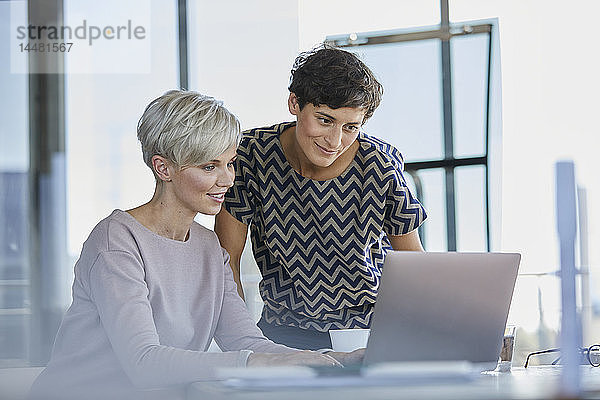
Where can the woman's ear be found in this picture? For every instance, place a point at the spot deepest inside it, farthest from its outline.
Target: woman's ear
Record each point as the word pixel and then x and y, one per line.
pixel 293 104
pixel 163 169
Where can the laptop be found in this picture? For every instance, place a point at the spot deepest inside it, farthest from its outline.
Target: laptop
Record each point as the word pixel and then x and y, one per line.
pixel 439 317
pixel 442 307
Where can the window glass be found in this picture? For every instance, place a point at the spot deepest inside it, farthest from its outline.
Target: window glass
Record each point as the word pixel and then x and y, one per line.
pixel 434 201
pixel 535 309
pixel 14 199
pixel 105 169
pixel 469 187
pixel 469 58
pixel 410 114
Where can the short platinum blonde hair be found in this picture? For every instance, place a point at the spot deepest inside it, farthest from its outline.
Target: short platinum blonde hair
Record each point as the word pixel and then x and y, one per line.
pixel 187 128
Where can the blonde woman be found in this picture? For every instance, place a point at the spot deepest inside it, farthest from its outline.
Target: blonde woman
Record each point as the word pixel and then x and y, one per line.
pixel 152 287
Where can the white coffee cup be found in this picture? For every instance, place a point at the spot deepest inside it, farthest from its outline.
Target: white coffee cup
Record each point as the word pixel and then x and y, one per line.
pixel 349 339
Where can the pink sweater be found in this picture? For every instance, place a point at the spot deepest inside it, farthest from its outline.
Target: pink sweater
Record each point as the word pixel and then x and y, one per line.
pixel 144 311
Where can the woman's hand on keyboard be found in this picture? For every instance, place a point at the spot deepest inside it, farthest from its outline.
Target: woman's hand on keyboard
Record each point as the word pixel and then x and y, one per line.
pixel 352 358
pixel 305 357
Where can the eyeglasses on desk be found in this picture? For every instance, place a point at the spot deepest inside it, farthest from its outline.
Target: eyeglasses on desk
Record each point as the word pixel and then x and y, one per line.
pixel 591 353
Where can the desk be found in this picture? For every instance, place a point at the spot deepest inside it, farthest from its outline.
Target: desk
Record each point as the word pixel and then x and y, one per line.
pixel 531 383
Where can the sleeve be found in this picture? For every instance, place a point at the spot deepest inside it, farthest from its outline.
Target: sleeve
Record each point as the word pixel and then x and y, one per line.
pixel 236 330
pixel 240 198
pixel 120 293
pixel 403 212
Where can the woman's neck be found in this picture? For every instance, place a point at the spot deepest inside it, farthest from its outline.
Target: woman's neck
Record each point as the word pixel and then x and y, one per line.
pixel 163 217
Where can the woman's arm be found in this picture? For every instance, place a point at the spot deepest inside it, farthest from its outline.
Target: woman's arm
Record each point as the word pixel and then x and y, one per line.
pixel 237 330
pixel 409 242
pixel 232 235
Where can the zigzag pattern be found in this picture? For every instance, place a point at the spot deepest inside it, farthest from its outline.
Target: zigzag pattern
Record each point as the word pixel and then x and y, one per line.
pixel 320 245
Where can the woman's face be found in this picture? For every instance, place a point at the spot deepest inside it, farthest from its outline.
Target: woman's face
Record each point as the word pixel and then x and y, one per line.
pixel 202 189
pixel 323 133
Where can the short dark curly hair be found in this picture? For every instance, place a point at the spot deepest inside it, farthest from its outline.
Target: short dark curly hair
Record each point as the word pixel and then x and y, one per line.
pixel 336 78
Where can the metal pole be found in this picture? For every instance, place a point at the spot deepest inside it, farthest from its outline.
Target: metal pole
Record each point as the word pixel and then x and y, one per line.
pixel 584 264
pixel 487 144
pixel 570 328
pixel 47 184
pixel 448 133
pixel 421 196
pixel 184 82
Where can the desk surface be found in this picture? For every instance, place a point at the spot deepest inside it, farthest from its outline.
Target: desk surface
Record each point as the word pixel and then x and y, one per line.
pixel 531 383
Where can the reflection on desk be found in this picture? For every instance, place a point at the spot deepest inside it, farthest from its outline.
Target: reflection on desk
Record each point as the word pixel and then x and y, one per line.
pixel 540 382
pixel 385 374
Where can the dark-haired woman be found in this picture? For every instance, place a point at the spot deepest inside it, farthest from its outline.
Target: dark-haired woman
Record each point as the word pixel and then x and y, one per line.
pixel 324 203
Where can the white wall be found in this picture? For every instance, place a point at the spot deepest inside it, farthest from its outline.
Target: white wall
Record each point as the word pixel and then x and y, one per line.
pixel 242 52
pixel 318 18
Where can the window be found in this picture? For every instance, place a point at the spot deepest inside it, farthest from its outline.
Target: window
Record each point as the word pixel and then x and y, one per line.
pixel 439 121
pixel 15 300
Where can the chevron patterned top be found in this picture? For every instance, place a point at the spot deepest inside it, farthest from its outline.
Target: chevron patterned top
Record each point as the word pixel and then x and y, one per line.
pixel 320 245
